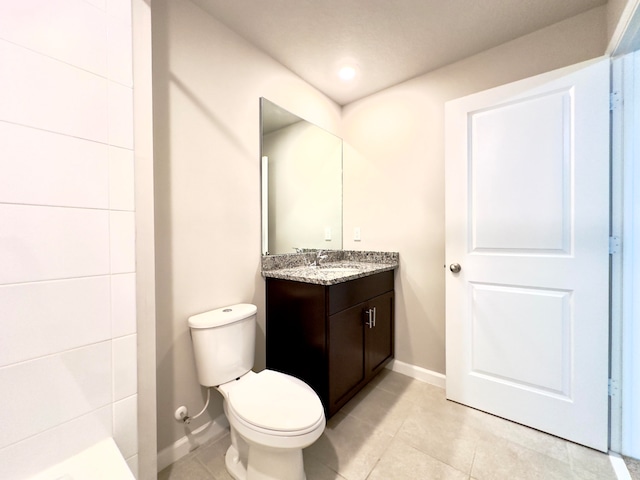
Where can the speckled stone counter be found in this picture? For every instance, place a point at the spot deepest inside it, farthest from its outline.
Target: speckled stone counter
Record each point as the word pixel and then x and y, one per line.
pixel 339 266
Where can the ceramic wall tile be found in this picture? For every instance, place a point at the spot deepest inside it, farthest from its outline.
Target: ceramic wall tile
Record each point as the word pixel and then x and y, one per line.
pixel 68 30
pixel 119 52
pixel 125 425
pixel 55 444
pixel 44 318
pixel 121 179
pixel 120 9
pixel 123 304
pixel 122 241
pixel 120 115
pixel 132 463
pixel 76 243
pixel 65 96
pixel 52 390
pixel 99 4
pixel 43 168
pixel 38 91
pixel 125 378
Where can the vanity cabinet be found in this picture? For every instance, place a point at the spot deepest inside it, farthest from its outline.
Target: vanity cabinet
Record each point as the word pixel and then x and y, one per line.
pixel 334 337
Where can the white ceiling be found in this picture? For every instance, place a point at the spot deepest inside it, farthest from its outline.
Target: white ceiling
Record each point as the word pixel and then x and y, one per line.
pixel 388 41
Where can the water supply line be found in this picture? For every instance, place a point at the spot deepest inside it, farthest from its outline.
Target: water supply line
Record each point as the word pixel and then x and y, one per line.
pixel 183 415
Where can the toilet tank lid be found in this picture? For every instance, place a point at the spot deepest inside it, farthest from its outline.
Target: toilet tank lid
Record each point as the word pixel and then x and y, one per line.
pixel 222 316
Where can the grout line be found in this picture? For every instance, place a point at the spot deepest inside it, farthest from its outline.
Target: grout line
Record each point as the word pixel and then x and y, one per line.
pixel 61 352
pixel 64 134
pixel 106 76
pixel 473 461
pixel 209 472
pixel 374 466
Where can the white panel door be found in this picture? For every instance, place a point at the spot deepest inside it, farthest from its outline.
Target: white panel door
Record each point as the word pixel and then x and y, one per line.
pixel 527 220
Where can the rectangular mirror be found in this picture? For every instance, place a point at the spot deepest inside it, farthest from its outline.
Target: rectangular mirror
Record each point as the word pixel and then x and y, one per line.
pixel 301 183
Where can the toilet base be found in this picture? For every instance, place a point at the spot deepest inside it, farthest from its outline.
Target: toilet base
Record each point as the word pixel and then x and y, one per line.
pixel 266 464
pixel 234 466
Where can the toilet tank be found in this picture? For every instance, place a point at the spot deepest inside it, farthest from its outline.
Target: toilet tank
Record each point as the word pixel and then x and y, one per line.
pixel 223 343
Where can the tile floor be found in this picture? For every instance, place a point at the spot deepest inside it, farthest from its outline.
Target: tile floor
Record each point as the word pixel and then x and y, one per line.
pixel 398 428
pixel 633 466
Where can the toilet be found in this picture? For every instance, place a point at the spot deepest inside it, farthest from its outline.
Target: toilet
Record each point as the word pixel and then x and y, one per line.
pixel 272 416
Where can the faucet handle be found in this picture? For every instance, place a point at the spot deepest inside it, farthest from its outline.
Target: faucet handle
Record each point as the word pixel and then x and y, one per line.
pixel 320 255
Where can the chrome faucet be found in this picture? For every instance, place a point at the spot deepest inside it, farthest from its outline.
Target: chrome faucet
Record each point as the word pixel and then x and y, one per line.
pixel 320 255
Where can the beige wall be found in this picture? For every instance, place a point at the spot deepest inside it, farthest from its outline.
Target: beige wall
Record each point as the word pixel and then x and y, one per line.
pixel 615 9
pixel 614 12
pixel 394 144
pixel 207 82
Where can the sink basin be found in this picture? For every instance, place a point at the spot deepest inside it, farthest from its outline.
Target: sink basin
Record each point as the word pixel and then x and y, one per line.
pixel 341 270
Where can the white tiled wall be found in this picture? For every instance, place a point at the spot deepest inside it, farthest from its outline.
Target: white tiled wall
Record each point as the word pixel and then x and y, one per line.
pixel 67 257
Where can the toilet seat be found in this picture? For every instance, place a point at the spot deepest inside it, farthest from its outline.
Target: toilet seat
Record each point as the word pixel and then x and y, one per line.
pixel 276 404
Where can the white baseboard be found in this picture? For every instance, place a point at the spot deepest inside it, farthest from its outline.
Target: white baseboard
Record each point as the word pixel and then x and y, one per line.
pixel 619 467
pixel 216 428
pixel 419 373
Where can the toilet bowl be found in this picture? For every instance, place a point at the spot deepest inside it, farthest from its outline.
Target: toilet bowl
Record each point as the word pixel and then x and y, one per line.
pixel 272 416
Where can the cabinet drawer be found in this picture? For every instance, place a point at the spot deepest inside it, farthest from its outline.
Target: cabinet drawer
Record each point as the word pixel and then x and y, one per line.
pixel 347 294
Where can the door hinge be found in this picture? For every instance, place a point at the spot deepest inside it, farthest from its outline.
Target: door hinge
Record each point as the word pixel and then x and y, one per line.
pixel 613 387
pixel 614 244
pixel 615 100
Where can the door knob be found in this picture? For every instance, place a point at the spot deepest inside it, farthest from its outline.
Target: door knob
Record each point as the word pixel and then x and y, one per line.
pixel 455 267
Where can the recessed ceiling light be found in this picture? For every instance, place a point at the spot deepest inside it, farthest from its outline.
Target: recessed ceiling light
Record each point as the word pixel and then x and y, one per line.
pixel 347 73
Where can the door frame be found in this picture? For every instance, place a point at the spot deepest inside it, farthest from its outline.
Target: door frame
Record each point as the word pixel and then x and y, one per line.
pixel 625 273
pixel 625 266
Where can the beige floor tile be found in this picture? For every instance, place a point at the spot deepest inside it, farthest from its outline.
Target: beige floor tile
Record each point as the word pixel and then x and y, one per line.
pixel 187 468
pixel 406 387
pixel 392 381
pixel 383 410
pixel 586 460
pixel 403 462
pixel 316 470
pixel 633 466
pixel 349 446
pixel 485 422
pixel 211 455
pixel 539 441
pixel 500 459
pixel 442 435
pixel 527 437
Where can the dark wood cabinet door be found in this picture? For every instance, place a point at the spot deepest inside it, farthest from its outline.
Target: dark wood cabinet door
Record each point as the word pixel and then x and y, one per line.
pixel 379 337
pixel 296 332
pixel 346 353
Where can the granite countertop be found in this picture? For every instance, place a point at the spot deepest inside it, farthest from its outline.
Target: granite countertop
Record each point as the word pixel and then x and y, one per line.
pixel 339 266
